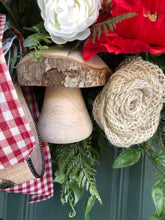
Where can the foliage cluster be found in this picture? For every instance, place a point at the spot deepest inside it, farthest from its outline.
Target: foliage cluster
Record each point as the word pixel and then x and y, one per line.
pixel 76 173
pixel 75 163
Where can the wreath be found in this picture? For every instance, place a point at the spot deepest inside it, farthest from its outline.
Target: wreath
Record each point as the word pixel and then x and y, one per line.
pixel 128 112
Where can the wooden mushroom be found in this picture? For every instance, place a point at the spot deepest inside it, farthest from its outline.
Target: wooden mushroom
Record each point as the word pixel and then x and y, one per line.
pixel 64 117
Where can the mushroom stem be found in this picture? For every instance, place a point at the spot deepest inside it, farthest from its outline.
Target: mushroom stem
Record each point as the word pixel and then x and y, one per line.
pixel 64 117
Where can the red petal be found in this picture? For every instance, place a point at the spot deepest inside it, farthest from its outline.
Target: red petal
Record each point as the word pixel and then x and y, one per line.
pixel 133 35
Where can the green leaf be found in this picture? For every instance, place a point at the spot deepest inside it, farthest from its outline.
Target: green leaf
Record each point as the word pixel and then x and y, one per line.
pixel 127 158
pixel 158 196
pixel 44 47
pixel 34 39
pixel 59 177
pixel 77 191
pixel 161 157
pixel 153 217
pixel 39 28
pixel 88 206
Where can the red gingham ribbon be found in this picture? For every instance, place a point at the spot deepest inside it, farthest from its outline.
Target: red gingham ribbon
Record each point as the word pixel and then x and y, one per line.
pixel 16 138
pixel 42 188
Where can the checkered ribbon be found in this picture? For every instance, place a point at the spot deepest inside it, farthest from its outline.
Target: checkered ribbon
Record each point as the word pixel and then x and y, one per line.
pixel 16 138
pixel 42 188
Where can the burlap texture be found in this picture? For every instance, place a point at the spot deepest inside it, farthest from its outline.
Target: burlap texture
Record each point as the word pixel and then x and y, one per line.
pixel 128 108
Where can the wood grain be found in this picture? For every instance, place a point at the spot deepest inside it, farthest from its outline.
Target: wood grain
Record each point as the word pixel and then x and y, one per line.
pixel 64 117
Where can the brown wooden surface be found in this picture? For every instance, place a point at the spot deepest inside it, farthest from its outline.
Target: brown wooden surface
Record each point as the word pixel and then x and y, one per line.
pixel 62 70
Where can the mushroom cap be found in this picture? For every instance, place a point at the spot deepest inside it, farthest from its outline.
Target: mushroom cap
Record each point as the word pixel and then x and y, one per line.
pixel 59 68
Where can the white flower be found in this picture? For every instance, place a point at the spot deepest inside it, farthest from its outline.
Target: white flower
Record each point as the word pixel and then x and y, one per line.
pixel 68 20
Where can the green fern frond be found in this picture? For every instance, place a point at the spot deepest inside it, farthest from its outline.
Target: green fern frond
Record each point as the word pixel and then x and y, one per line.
pixel 117 19
pixel 71 166
pixel 94 33
pixel 107 24
pixel 110 26
pixel 75 170
pixel 87 186
pixel 99 32
pixel 105 29
pixel 87 40
pixel 77 162
pixel 91 170
pixel 64 157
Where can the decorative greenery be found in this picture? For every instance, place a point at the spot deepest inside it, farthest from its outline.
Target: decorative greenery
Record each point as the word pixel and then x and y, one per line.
pixel 33 42
pixel 76 171
pixel 156 153
pixel 127 158
pixel 75 163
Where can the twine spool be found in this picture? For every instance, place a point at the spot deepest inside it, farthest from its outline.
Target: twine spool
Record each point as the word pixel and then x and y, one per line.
pixel 128 108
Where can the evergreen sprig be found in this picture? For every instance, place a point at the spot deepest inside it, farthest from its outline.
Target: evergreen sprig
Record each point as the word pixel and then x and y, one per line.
pixel 76 172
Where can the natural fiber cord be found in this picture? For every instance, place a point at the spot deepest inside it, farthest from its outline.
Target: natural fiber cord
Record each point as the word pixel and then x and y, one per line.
pixel 128 108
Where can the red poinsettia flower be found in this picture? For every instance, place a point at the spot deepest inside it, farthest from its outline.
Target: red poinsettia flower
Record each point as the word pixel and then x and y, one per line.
pixel 142 33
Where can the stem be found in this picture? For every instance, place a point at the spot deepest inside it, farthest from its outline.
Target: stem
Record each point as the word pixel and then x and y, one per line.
pixel 153 162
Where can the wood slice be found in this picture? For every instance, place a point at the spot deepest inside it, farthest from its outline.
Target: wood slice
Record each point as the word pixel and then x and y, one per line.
pixel 58 68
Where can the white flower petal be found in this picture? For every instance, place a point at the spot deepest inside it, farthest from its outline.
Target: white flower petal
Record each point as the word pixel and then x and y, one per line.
pixel 68 20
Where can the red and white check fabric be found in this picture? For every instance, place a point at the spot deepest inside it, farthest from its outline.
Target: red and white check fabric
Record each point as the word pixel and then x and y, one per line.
pixel 42 188
pixel 16 137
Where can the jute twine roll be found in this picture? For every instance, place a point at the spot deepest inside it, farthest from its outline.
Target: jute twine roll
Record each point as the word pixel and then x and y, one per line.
pixel 128 108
